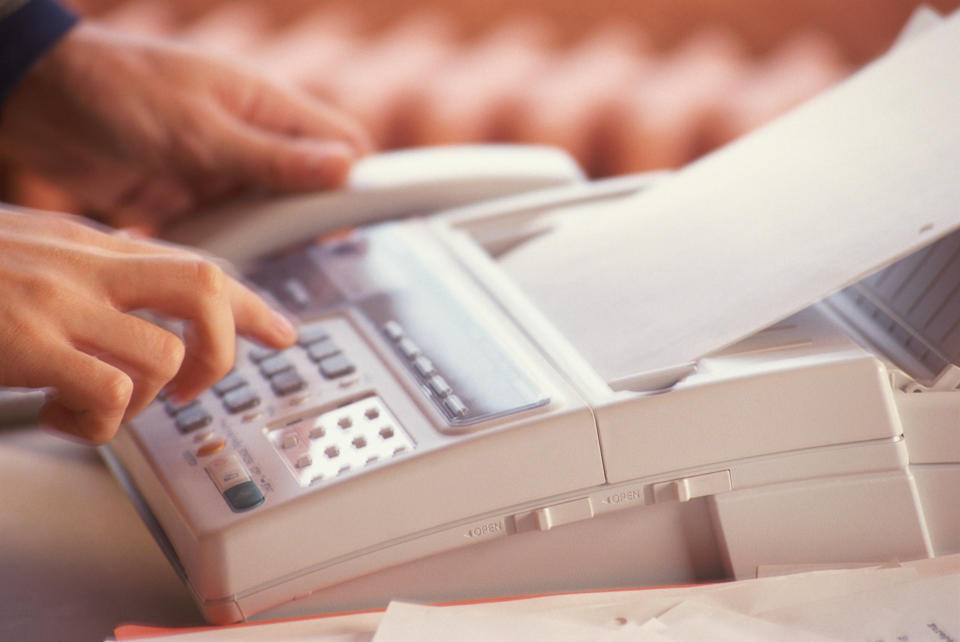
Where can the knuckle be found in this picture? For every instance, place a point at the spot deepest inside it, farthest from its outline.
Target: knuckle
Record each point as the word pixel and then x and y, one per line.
pixel 72 229
pixel 42 288
pixel 169 355
pixel 115 392
pixel 210 279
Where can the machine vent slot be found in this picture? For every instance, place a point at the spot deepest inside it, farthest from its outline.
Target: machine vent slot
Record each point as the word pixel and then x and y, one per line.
pixel 911 311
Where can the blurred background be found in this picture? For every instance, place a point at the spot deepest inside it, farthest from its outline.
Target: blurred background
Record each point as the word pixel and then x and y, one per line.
pixel 623 85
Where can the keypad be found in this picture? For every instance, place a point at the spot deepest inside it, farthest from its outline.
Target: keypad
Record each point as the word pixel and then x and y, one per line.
pixel 264 376
pixel 348 438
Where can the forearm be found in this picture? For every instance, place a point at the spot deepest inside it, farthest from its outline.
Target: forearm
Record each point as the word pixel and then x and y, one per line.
pixel 28 29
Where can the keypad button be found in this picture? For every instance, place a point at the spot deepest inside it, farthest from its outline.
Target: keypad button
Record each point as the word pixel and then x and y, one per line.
pixel 243 496
pixel 192 418
pixel 272 365
pixel 439 386
pixel 259 353
pixel 423 366
pixel 322 349
pixel 296 293
pixel 173 408
pixel 311 334
pixel 211 447
pixel 287 382
pixel 455 406
pixel 303 461
pixel 393 330
pixel 408 348
pixel 240 399
pixel 231 382
pixel 336 366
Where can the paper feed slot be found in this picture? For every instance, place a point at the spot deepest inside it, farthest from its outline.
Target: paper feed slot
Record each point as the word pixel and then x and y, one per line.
pixel 860 177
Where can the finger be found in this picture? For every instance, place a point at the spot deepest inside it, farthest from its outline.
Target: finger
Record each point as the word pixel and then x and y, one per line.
pixel 150 355
pixel 91 396
pixel 275 162
pixel 292 112
pixel 155 201
pixel 255 319
pixel 184 287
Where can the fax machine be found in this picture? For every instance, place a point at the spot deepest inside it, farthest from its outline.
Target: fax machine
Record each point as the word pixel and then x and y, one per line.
pixel 751 362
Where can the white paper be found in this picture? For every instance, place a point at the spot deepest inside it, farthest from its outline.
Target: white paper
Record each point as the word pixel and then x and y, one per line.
pixel 857 178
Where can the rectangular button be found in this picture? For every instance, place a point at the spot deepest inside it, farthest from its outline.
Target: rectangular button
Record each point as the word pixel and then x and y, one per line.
pixel 173 408
pixel 455 406
pixel 230 382
pixel 311 333
pixel 408 348
pixel 286 382
pixel 322 349
pixel 565 513
pixel 227 471
pixel 336 366
pixel 259 353
pixel 297 294
pixel 393 330
pixel 192 418
pixel 272 365
pixel 687 488
pixel 423 366
pixel 439 386
pixel 243 496
pixel 240 399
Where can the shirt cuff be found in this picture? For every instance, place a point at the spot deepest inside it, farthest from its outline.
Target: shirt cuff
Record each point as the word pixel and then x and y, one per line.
pixel 27 33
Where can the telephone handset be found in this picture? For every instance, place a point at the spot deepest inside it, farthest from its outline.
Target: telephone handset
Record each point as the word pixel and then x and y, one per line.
pixel 385 186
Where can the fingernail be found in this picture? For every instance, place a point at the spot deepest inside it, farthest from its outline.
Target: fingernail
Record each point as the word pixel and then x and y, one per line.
pixel 283 327
pixel 172 393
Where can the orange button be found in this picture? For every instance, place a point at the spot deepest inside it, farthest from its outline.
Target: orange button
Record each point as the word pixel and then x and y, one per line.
pixel 212 447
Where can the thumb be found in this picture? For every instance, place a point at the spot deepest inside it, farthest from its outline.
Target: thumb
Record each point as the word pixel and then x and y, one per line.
pixel 259 158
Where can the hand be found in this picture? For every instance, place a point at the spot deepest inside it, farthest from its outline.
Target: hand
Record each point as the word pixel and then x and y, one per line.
pixel 145 131
pixel 65 323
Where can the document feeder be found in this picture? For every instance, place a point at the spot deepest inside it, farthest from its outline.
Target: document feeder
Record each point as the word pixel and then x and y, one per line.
pixel 597 385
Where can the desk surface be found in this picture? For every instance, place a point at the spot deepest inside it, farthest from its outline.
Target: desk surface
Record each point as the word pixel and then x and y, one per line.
pixel 75 559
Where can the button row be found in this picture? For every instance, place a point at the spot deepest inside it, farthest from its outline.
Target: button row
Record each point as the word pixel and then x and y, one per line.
pixel 319 347
pixel 235 393
pixel 424 368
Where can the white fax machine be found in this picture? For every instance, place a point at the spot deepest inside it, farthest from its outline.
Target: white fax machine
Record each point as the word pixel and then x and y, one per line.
pixel 650 380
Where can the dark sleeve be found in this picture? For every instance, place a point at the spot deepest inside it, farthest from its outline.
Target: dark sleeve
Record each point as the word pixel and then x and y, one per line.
pixel 27 30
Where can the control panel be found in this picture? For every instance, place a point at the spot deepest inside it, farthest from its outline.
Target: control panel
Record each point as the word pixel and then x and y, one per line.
pixel 390 360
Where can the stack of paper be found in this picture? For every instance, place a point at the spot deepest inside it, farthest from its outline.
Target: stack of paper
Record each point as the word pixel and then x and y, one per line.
pixel 916 601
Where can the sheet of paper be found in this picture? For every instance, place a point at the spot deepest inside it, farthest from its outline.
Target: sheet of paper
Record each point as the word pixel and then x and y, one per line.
pixel 922 609
pixel 853 180
pixel 415 623
pixel 917 599
pixel 693 621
